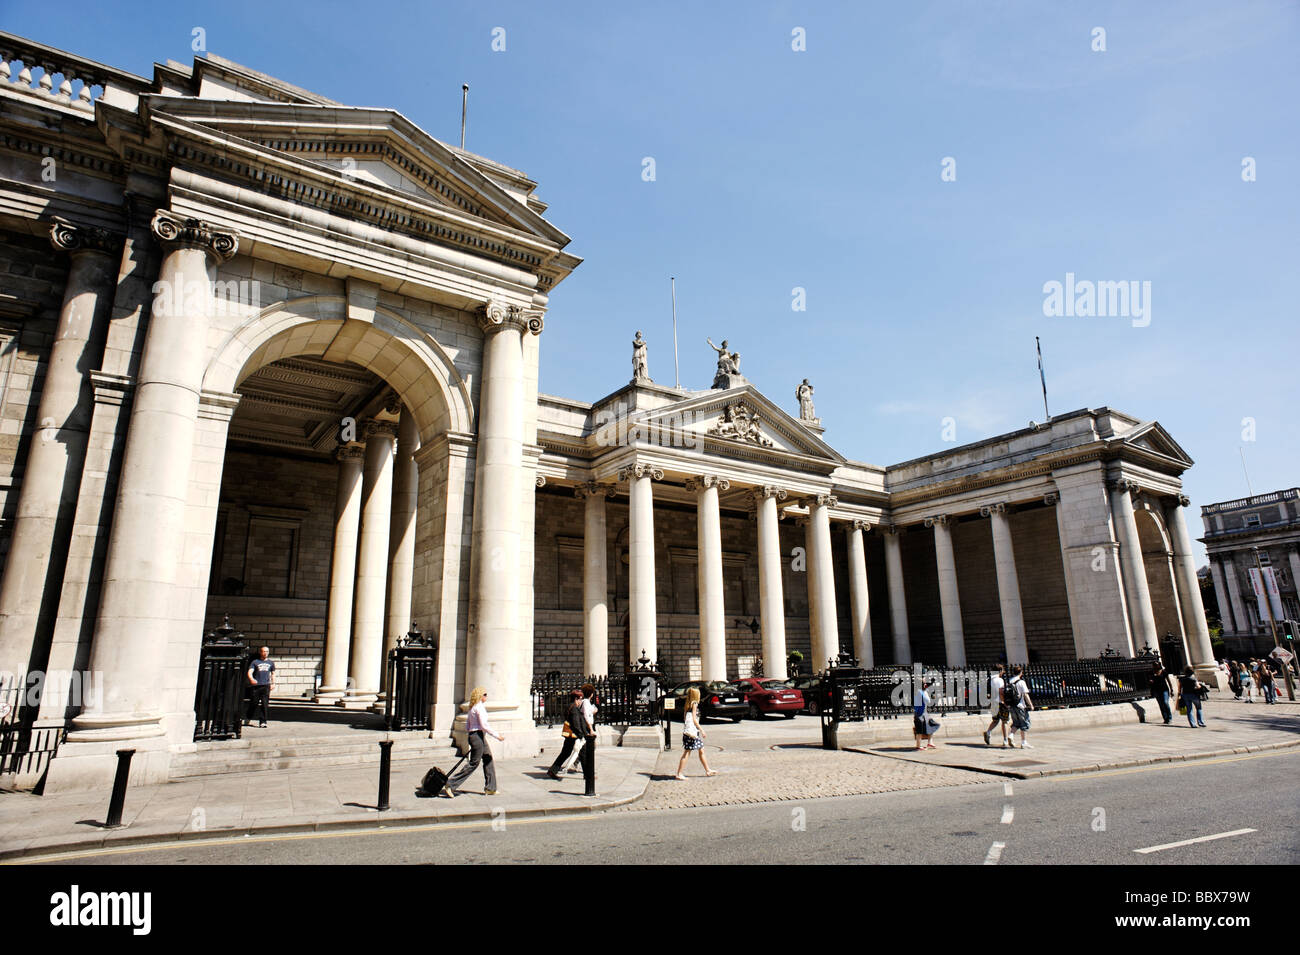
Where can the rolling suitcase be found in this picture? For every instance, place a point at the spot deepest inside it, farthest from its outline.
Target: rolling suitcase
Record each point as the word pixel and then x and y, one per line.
pixel 435 779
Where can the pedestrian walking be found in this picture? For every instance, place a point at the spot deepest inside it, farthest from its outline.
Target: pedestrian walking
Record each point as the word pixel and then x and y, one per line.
pixel 693 734
pixel 1191 692
pixel 478 728
pixel 1161 690
pixel 1247 682
pixel 1267 682
pixel 571 736
pixel 261 679
pixel 590 704
pixel 921 728
pixel 1234 680
pixel 998 712
pixel 1016 694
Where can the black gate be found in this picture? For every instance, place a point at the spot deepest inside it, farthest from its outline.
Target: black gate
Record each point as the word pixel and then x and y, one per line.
pixel 409 703
pixel 223 674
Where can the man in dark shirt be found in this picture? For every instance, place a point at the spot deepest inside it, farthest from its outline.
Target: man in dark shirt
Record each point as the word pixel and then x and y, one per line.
pixel 261 680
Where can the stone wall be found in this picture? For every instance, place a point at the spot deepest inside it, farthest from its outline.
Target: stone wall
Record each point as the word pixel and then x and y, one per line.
pixel 1043 600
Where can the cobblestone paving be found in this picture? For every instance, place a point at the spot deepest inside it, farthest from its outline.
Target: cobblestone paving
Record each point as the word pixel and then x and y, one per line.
pixel 779 775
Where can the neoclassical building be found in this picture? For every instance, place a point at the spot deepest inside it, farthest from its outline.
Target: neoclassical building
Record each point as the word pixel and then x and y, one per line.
pixel 269 355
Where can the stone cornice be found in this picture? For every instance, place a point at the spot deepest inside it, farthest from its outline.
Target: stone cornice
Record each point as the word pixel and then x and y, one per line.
pixel 218 405
pixel 172 231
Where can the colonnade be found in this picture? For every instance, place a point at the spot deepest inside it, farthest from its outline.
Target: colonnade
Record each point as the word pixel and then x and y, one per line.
pixel 374 556
pixel 823 617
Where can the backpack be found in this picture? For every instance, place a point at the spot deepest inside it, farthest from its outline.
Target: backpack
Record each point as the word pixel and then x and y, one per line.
pixel 1012 691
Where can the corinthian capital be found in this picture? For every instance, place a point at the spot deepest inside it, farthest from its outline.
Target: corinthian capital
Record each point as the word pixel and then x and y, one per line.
pixel 991 509
pixel 172 230
pixel 940 519
pixel 592 489
pixel 495 316
pixel 66 237
pixel 376 426
pixel 640 471
pixel 707 481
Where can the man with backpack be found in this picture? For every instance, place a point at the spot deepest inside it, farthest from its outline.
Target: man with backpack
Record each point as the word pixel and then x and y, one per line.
pixel 1016 696
pixel 998 712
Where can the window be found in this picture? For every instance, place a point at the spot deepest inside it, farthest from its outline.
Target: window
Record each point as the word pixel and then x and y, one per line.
pixel 1264 559
pixel 1252 520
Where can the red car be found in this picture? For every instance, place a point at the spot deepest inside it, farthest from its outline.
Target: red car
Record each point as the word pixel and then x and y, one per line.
pixel 771 696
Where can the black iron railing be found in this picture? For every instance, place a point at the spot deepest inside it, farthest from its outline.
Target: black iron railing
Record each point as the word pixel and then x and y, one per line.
pixel 411 669
pixel 219 693
pixel 24 749
pixel 626 699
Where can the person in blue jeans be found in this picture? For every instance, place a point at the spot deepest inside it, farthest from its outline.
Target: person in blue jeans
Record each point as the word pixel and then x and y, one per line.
pixel 1190 690
pixel 1160 689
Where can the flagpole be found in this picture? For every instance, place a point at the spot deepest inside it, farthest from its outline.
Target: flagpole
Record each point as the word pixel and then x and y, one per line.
pixel 676 372
pixel 1042 376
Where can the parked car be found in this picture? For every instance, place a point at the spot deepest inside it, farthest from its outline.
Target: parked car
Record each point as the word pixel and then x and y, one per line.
pixel 718 700
pixel 816 693
pixel 771 696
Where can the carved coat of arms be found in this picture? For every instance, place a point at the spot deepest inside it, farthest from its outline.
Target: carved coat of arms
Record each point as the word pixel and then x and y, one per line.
pixel 741 423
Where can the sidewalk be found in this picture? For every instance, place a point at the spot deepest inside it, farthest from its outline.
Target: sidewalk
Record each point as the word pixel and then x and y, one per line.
pixel 1231 728
pixel 305 800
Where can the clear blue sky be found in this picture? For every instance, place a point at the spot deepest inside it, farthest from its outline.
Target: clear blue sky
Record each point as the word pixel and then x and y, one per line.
pixel 820 169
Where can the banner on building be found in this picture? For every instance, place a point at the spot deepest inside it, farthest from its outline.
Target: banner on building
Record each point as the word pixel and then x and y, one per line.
pixel 1269 583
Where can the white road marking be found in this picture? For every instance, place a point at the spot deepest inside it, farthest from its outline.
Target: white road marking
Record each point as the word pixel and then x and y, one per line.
pixel 1006 789
pixel 995 853
pixel 1008 813
pixel 1188 842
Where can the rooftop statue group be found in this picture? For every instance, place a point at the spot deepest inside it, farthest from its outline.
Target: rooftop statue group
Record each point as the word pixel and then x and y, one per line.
pixel 727 375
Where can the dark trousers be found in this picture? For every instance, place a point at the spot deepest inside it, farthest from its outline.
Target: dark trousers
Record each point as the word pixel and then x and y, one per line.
pixel 478 752
pixel 588 757
pixel 258 697
pixel 565 752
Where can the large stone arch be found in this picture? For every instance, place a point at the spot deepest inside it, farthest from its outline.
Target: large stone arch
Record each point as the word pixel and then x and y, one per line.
pixel 394 348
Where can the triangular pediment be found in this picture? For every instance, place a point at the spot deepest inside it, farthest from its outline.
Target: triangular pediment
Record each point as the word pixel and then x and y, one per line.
pixel 1151 436
pixel 740 419
pixel 376 149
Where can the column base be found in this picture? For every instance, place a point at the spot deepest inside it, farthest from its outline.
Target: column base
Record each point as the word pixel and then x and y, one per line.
pixel 1210 675
pixel 359 701
pixel 329 694
pixel 86 766
pixel 643 737
pixel 521 736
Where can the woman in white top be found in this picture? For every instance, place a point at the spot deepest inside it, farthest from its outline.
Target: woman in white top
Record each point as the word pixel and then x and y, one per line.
pixel 692 734
pixel 478 728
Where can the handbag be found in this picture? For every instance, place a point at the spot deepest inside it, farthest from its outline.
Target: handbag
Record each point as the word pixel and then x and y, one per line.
pixel 1182 708
pixel 568 732
pixel 932 725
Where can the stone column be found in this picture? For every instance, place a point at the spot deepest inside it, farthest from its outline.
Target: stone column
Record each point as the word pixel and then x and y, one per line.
pixel 1294 559
pixel 1189 592
pixel 42 526
pixel 401 530
pixel 365 659
pixel 1141 616
pixel 1221 593
pixel 1234 594
pixel 135 618
pixel 595 579
pixel 494 653
pixel 954 640
pixel 859 595
pixel 821 582
pixel 713 621
pixel 343 572
pixel 1004 559
pixel 642 621
pixel 897 595
pixel 771 595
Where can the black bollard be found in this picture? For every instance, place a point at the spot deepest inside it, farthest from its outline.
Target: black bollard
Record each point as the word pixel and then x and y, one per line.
pixel 385 764
pixel 118 798
pixel 830 734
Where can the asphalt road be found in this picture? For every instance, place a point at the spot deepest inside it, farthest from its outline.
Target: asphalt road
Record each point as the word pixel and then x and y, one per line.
pixel 1099 818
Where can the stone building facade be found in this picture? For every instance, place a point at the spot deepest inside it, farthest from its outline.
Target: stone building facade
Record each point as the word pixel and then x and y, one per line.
pixel 1242 538
pixel 268 355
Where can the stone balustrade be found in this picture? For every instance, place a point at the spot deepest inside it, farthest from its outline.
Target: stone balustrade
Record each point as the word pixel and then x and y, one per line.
pixel 34 68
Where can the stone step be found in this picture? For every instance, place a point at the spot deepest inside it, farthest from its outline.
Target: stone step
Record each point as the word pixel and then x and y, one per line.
pixel 246 756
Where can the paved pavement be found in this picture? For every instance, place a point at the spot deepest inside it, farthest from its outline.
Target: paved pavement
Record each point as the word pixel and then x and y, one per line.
pixel 757 762
pixel 307 801
pixel 1231 728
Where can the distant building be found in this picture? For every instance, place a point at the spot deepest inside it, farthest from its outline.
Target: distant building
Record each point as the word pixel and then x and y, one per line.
pixel 1234 531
